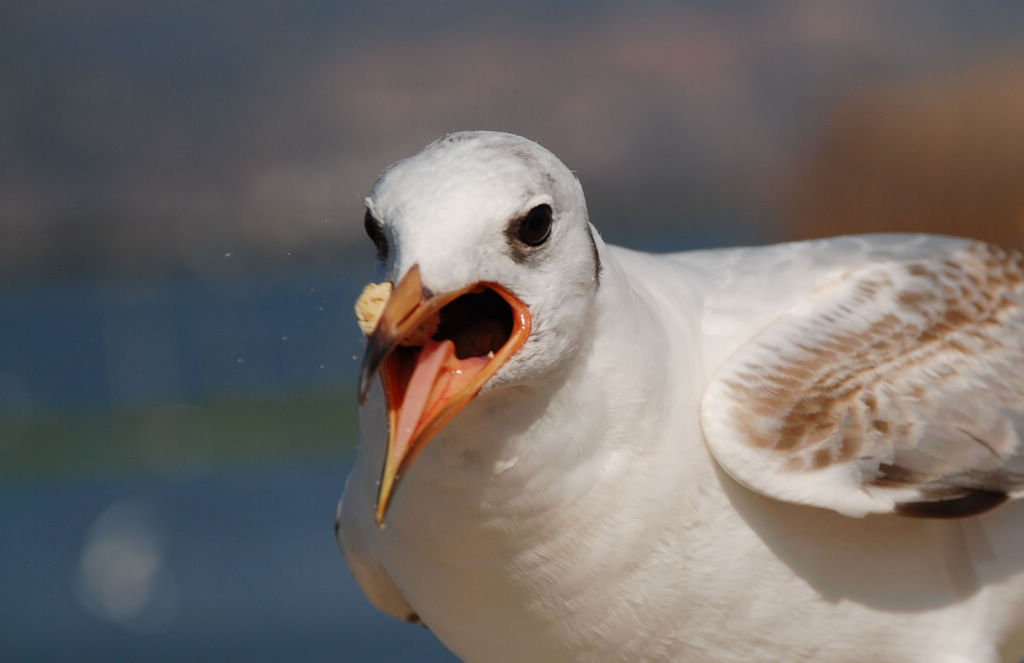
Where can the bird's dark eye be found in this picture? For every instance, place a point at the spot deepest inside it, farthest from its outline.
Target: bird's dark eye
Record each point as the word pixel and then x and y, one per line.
pixel 375 230
pixel 535 227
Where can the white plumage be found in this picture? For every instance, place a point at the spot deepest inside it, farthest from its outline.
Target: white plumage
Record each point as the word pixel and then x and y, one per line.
pixel 704 456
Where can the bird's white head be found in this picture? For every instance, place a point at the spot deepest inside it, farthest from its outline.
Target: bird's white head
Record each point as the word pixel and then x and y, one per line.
pixel 486 238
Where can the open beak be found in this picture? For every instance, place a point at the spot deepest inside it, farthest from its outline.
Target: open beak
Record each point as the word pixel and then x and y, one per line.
pixel 434 353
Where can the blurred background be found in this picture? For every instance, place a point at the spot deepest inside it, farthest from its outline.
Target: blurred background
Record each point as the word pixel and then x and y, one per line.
pixel 181 244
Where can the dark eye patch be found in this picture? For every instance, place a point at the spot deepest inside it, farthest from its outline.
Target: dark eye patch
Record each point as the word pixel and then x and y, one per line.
pixel 525 233
pixel 375 231
pixel 535 228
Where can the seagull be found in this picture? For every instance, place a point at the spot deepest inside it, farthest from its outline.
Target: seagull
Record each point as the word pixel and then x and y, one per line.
pixel 572 451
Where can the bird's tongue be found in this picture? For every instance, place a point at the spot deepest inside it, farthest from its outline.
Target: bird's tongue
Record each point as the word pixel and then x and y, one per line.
pixel 437 376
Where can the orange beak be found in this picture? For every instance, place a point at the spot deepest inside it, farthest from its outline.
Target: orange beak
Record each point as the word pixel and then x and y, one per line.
pixel 434 353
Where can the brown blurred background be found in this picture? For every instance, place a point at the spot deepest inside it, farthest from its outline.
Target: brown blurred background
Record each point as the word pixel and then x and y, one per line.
pixel 943 153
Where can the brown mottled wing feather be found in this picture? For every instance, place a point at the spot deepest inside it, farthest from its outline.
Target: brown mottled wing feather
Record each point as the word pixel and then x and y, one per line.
pixel 898 389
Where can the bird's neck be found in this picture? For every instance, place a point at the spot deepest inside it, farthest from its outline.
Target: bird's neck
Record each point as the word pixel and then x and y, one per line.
pixel 494 529
pixel 556 456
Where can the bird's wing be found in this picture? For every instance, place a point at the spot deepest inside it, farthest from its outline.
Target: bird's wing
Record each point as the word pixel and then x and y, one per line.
pixel 355 529
pixel 897 387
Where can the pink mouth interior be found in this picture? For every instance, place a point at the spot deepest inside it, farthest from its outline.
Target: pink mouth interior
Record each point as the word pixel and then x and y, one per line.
pixel 469 331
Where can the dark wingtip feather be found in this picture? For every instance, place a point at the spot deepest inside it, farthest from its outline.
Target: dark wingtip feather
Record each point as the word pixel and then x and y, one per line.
pixel 971 503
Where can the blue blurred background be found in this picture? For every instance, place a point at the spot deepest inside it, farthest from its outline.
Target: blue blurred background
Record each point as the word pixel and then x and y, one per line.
pixel 180 246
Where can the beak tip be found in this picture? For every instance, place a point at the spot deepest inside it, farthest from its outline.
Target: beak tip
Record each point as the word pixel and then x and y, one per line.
pixel 382 511
pixel 376 349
